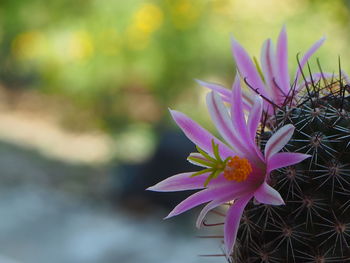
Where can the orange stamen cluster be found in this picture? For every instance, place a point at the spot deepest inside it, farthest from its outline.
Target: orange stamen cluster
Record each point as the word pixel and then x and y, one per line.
pixel 237 169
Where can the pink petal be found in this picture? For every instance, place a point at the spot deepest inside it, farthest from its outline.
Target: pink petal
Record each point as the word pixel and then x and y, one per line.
pixel 239 123
pixel 225 93
pixel 316 77
pixel 278 140
pixel 213 204
pixel 236 191
pixel 237 114
pixel 284 159
pixel 199 135
pixel 253 124
pixel 307 55
pixel 190 202
pixel 248 100
pixel 180 182
pixel 268 65
pixel 199 198
pixel 247 68
pixel 267 195
pixel 233 218
pixel 255 117
pixel 282 61
pixel 222 121
pixel 198 156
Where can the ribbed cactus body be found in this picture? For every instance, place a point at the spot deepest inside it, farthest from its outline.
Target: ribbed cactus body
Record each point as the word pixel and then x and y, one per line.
pixel 314 224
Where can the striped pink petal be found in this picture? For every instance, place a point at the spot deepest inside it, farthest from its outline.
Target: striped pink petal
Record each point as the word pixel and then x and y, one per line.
pixel 197 156
pixel 316 77
pixel 268 65
pixel 278 140
pixel 200 136
pixel 269 68
pixel 247 99
pixel 225 93
pixel 280 160
pixel 199 198
pixel 180 182
pixel 194 200
pixel 307 55
pixel 223 123
pixel 247 68
pixel 253 124
pixel 235 192
pixel 267 195
pixel 213 204
pixel 255 117
pixel 237 114
pixel 233 218
pixel 283 78
pixel 245 131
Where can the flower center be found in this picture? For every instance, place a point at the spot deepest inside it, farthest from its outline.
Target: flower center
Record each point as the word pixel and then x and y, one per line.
pixel 237 169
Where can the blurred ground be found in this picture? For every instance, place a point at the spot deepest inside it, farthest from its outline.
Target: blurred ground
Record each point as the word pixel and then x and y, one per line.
pixel 34 120
pixel 63 199
pixel 53 211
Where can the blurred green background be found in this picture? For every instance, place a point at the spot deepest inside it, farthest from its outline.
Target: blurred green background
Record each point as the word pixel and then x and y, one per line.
pixel 122 63
pixel 85 85
pixel 115 66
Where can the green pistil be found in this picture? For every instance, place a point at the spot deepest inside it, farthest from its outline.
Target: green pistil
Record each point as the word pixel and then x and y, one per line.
pixel 259 68
pixel 215 165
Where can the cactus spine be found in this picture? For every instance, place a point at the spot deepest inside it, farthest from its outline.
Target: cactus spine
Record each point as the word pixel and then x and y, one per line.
pixel 314 225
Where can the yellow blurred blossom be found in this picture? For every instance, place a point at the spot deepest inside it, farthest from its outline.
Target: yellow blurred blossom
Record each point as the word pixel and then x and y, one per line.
pixel 184 13
pixel 80 45
pixel 147 19
pixel 29 45
pixel 222 7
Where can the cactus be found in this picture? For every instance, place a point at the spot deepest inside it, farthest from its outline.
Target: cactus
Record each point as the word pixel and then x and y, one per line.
pixel 287 183
pixel 314 225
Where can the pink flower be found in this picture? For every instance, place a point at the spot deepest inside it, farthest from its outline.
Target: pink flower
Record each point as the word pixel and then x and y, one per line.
pixel 233 171
pixel 272 79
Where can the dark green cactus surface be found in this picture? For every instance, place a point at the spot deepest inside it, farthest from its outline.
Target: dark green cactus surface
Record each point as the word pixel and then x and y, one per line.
pixel 314 224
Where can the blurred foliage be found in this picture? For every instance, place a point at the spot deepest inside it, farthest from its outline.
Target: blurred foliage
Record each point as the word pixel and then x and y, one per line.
pixel 125 62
